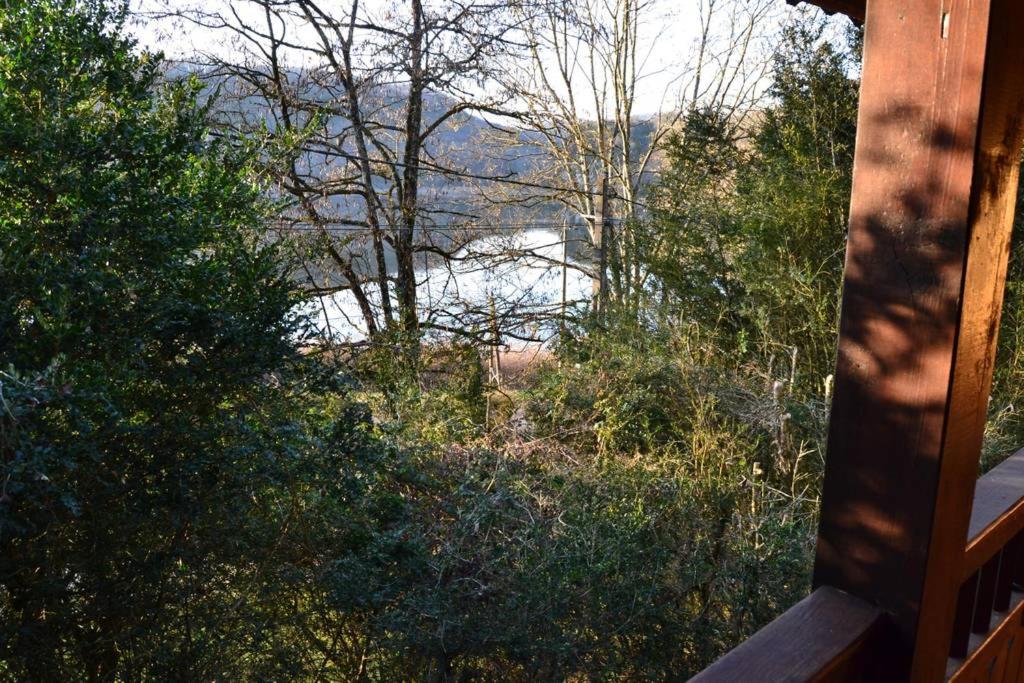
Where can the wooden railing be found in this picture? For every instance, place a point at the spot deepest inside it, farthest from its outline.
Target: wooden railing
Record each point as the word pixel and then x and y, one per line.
pixel 833 636
pixel 988 636
pixel 827 636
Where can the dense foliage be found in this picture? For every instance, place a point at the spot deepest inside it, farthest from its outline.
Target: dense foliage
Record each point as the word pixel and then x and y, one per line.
pixel 190 489
pixel 758 223
pixel 165 493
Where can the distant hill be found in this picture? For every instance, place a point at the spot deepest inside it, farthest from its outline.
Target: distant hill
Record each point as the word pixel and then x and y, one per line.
pixel 466 143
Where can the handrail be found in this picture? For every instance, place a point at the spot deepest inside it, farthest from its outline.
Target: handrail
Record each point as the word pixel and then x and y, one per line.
pixel 833 636
pixel 993 576
pixel 998 512
pixel 828 636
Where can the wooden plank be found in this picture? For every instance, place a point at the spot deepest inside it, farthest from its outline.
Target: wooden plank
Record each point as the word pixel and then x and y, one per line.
pixel 997 515
pixel 985 599
pixel 827 636
pixel 964 617
pixel 920 98
pixel 1004 586
pixel 851 8
pixel 997 669
pixel 930 222
pixel 1013 665
pixel 992 205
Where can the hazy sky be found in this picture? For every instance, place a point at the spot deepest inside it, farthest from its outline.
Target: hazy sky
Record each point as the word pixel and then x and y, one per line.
pixel 667 33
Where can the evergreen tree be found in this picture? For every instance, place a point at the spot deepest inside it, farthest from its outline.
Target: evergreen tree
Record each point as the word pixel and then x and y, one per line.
pixel 755 228
pixel 160 483
pixel 793 194
pixel 694 233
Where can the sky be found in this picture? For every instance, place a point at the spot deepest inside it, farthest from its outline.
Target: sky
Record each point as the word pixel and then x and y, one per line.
pixel 668 35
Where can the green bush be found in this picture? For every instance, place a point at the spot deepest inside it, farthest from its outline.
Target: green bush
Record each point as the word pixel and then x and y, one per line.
pixel 525 567
pixel 171 483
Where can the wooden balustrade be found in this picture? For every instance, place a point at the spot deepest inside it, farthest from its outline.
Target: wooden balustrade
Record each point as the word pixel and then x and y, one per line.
pixel 832 636
pixel 988 633
pixel 998 512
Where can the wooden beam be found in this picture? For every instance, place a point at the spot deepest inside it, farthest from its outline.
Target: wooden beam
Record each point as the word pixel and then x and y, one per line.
pixel 991 213
pixel 930 222
pixel 851 8
pixel 827 636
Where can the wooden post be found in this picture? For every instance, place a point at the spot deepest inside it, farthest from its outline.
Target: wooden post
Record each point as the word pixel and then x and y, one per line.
pixel 935 176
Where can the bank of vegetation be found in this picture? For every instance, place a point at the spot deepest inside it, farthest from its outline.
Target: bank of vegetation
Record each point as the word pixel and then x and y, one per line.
pixel 196 485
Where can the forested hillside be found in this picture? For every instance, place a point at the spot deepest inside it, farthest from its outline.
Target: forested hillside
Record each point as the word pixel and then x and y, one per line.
pixel 196 483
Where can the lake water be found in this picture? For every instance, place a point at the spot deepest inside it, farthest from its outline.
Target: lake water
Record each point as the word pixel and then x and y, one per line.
pixel 520 273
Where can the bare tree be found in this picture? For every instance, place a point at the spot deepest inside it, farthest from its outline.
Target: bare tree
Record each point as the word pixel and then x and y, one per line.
pixel 354 101
pixel 352 98
pixel 577 92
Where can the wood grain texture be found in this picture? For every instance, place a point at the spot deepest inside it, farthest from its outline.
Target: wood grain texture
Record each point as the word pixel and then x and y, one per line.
pixel 828 636
pixel 925 259
pixel 991 212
